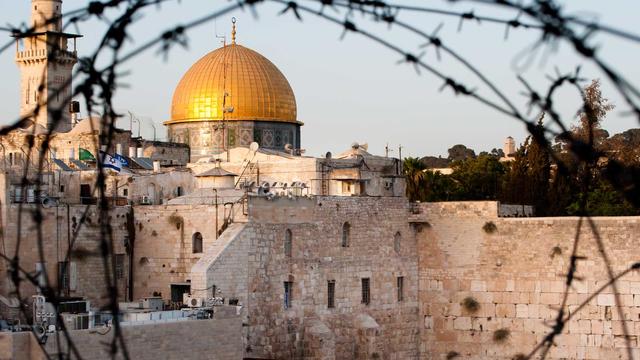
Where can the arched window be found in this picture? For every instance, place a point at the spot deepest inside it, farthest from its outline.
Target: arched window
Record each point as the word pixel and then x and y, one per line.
pixel 346 230
pixel 287 243
pixel 196 242
pixel 397 238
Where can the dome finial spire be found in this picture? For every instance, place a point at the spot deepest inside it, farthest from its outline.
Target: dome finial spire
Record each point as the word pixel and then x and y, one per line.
pixel 233 30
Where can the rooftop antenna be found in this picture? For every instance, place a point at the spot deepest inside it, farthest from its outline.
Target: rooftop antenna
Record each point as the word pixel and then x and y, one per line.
pixel 387 150
pixel 223 38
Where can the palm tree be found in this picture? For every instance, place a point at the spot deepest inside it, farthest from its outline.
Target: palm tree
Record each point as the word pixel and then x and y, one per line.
pixel 414 174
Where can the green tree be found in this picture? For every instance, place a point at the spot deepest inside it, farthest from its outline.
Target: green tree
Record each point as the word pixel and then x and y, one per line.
pixel 478 178
pixel 594 110
pixel 414 172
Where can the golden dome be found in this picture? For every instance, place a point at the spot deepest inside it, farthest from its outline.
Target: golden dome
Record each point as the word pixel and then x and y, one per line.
pixel 255 88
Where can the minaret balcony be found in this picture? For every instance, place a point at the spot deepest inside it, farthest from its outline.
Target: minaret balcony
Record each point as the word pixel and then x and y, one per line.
pixel 43 54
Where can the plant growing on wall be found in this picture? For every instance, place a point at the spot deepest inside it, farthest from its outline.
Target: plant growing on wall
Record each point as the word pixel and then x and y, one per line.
pixel 501 335
pixel 470 304
pixel 176 220
pixel 452 355
pixel 489 227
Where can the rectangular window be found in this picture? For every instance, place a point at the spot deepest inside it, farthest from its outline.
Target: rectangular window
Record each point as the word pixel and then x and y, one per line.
pixel 331 294
pixel 119 266
pixel 400 284
pixel 288 287
pixel 366 294
pixel 63 275
pixel 61 188
pixel 125 192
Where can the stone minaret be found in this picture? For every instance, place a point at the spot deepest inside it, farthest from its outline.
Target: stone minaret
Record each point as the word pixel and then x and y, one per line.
pixel 46 65
pixel 509 148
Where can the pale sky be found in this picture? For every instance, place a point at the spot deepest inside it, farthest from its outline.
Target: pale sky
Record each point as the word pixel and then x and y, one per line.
pixel 353 90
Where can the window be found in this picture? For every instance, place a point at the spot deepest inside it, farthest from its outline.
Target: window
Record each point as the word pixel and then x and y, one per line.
pixel 197 243
pixel 397 238
pixel 125 192
pixel 400 285
pixel 40 275
pixel 119 266
pixel 61 188
pixel 346 230
pixel 331 294
pixel 366 294
pixel 287 243
pixel 288 287
pixel 63 275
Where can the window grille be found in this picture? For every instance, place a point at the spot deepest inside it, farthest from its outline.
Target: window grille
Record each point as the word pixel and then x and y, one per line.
pixel 119 266
pixel 331 294
pixel 366 294
pixel 346 232
pixel 400 285
pixel 63 275
pixel 288 287
pixel 287 243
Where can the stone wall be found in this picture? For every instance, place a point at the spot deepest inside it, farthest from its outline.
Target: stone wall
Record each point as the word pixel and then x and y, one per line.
pixel 62 226
pixel 515 268
pixel 163 252
pixel 384 328
pixel 218 338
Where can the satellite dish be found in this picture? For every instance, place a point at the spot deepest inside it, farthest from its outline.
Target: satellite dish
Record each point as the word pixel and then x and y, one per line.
pixel 263 189
pixel 355 145
pixel 328 155
pixel 39 330
pixel 254 146
pixel 288 147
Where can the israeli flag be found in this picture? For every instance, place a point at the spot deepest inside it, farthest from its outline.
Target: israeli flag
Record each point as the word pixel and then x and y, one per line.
pixel 123 160
pixel 110 162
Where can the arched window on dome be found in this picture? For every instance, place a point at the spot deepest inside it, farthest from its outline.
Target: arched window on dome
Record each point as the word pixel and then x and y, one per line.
pixel 196 243
pixel 397 240
pixel 288 243
pixel 346 234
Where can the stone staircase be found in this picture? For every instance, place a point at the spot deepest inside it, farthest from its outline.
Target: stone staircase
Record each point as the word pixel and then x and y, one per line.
pixel 223 266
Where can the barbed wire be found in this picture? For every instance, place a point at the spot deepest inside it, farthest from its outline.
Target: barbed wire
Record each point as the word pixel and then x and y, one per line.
pixel 99 84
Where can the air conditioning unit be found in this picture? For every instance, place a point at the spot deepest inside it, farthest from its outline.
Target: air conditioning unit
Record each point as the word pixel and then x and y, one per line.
pixel 145 200
pixel 191 301
pixel 77 321
pixel 74 307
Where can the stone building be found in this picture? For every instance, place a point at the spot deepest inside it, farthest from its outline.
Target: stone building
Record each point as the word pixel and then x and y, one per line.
pixel 315 258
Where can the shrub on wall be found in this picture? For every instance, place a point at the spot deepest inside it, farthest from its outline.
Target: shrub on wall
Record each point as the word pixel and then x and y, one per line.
pixel 471 304
pixel 452 355
pixel 501 335
pixel 176 220
pixel 489 227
